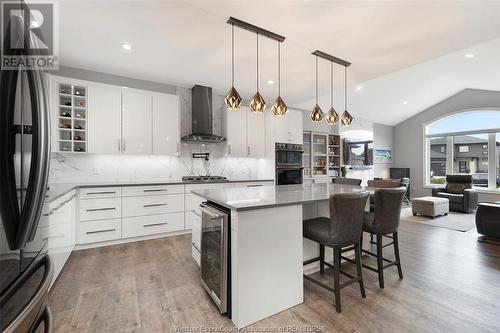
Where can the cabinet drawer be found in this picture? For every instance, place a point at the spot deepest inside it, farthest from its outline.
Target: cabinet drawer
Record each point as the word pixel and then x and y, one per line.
pixel 153 205
pixel 61 236
pixel 100 231
pixel 192 203
pixel 100 192
pixel 195 222
pixel 154 224
pixel 129 191
pixel 100 209
pixel 253 184
pixel 196 254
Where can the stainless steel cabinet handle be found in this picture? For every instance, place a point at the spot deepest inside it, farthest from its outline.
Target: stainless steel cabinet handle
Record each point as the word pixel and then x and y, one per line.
pixel 99 231
pixel 103 192
pixel 157 190
pixel 100 209
pixel 248 150
pixel 196 247
pixel 119 145
pixel 124 145
pixel 254 185
pixel 155 224
pixel 155 205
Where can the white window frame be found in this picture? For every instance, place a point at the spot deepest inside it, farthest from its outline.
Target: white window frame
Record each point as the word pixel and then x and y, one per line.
pixel 492 155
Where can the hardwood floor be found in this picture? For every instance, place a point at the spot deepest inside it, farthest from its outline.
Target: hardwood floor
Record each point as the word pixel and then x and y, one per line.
pixel 451 284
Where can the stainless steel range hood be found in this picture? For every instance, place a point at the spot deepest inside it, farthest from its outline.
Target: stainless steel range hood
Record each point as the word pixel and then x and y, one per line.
pixel 202 113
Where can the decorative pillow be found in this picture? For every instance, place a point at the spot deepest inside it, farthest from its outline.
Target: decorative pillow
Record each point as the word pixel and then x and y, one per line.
pixel 457 188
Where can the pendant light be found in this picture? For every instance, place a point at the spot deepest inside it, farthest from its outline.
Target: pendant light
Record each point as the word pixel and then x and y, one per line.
pixel 233 99
pixel 279 107
pixel 332 117
pixel 346 116
pixel 257 104
pixel 316 114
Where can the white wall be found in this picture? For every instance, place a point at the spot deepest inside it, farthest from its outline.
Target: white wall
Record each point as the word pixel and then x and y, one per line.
pixel 383 137
pixel 409 135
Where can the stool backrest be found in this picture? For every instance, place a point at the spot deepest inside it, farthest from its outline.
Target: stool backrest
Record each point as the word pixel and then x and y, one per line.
pixel 347 181
pixel 388 202
pixel 346 216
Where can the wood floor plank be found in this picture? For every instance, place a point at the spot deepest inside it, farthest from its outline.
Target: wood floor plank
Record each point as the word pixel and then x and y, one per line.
pixel 451 284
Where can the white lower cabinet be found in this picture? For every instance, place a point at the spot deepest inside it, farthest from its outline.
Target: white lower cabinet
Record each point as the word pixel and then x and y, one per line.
pixel 100 209
pixel 100 231
pixel 152 224
pixel 153 205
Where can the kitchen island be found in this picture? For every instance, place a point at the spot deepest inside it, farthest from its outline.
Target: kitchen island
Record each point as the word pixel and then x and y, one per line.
pixel 267 248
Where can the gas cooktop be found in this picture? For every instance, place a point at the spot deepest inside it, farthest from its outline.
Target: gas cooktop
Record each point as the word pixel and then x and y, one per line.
pixel 195 179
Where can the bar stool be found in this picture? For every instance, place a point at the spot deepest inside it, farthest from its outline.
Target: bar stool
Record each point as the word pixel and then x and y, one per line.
pixel 383 222
pixel 342 232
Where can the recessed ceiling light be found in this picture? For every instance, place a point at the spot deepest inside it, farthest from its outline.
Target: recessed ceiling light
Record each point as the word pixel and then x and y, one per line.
pixel 405 102
pixel 270 82
pixel 469 55
pixel 359 88
pixel 126 46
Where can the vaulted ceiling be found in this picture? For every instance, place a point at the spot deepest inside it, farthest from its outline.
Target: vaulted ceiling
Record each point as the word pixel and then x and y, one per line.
pixel 188 42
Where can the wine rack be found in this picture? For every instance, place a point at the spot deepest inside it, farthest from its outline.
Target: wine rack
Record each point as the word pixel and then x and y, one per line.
pixel 72 118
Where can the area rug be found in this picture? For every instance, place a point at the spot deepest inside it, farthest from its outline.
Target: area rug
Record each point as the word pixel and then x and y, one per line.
pixel 453 221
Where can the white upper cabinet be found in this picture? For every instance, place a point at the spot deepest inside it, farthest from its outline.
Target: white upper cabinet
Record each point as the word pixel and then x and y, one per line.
pixel 236 132
pixel 166 125
pixel 104 135
pixel 136 122
pixel 246 133
pixel 256 135
pixel 289 127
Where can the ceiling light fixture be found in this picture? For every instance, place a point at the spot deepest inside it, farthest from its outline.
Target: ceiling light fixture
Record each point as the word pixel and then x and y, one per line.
pixel 279 107
pixel 257 104
pixel 359 88
pixel 405 102
pixel 126 46
pixel 469 55
pixel 332 117
pixel 346 116
pixel 316 114
pixel 233 99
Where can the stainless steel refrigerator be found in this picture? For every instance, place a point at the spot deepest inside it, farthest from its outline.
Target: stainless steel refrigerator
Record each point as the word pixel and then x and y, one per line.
pixel 25 267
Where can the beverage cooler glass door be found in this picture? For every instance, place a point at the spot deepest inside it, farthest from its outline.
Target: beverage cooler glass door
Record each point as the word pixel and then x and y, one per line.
pixel 214 254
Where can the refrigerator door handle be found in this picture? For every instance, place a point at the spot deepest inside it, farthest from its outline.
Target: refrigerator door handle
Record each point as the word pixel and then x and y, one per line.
pixel 38 298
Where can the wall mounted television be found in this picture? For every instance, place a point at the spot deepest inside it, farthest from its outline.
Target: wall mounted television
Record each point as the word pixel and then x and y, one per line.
pixel 358 153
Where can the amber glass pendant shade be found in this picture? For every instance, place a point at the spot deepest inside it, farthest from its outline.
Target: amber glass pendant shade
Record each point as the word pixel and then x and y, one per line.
pixel 279 107
pixel 257 104
pixel 316 114
pixel 233 99
pixel 346 118
pixel 332 117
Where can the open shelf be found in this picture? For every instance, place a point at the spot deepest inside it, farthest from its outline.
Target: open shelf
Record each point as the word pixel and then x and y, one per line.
pixel 72 112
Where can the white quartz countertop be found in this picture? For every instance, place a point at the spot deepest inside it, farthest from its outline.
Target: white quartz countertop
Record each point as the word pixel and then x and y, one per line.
pixel 56 190
pixel 247 198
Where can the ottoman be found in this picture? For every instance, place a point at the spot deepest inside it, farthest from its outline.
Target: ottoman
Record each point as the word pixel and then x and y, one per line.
pixel 430 206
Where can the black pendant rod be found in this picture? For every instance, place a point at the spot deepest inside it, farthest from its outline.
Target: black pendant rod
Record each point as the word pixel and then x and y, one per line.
pixel 256 29
pixel 331 84
pixel 232 53
pixel 279 69
pixel 257 62
pixel 316 79
pixel 345 88
pixel 329 57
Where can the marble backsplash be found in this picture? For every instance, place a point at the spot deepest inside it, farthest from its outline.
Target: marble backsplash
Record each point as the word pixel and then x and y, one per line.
pixel 74 168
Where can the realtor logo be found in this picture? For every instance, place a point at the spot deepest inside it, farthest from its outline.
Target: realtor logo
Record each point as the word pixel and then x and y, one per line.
pixel 29 35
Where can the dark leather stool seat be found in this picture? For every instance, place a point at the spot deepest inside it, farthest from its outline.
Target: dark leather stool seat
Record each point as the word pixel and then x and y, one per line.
pixel 342 232
pixel 346 181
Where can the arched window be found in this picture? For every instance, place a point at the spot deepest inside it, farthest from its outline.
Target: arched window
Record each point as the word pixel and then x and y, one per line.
pixel 464 143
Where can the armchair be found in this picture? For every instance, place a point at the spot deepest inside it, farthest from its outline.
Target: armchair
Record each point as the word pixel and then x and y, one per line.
pixel 463 198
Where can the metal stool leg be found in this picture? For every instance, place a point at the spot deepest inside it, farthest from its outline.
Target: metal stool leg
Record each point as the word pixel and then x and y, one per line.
pixel 359 269
pixel 380 262
pixel 336 277
pixel 321 258
pixel 396 253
